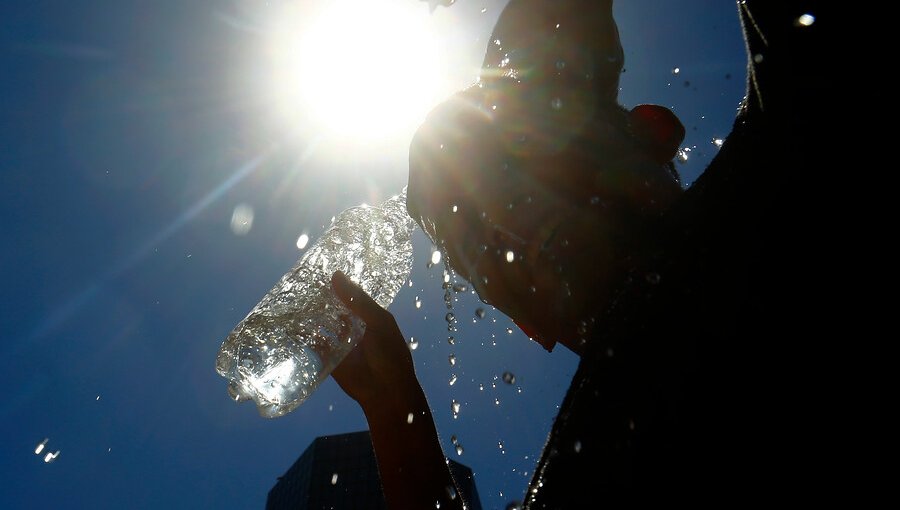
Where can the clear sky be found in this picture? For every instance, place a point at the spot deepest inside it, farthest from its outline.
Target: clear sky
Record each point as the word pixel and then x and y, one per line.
pixel 137 140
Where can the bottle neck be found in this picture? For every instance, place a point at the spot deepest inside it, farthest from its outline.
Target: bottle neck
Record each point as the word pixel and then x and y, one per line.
pixel 395 208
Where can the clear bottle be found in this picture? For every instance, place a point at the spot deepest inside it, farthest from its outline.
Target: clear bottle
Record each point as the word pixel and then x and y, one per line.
pixel 299 331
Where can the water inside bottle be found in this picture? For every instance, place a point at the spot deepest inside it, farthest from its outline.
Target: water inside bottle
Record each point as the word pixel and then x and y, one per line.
pixel 300 331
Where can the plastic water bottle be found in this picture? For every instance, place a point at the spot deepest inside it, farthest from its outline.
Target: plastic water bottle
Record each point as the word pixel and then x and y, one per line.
pixel 299 331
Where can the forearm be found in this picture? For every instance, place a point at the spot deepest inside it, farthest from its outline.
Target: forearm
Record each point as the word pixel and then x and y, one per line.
pixel 414 472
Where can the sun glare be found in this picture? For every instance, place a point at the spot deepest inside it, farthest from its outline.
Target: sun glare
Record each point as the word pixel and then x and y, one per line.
pixel 364 70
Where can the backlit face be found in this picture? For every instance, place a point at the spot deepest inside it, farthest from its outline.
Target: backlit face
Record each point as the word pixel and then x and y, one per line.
pixel 533 185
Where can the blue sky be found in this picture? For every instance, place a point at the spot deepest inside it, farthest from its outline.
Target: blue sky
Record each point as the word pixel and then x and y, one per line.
pixel 129 133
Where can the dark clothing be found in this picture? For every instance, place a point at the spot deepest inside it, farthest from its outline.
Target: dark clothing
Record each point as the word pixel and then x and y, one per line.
pixel 691 390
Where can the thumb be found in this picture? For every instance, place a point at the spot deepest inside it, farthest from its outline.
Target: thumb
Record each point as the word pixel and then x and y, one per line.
pixel 356 299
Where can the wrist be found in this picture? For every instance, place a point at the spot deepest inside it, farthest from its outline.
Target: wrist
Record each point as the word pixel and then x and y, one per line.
pixel 402 406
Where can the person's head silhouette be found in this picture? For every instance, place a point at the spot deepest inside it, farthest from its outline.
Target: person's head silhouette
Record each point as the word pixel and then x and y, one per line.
pixel 535 181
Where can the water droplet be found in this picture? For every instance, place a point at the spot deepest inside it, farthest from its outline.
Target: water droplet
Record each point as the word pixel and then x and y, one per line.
pixel 453 439
pixel 40 446
pixel 652 278
pixel 500 444
pixel 413 343
pixel 460 287
pixel 556 103
pixel 479 312
pixel 302 241
pixel 242 219
pixel 452 359
pixel 514 505
pixel 418 302
pixel 496 401
pixel 560 64
pixel 334 478
pixel 450 317
pixel 758 58
pixel 676 70
pixel 497 42
pixel 509 378
pixel 483 10
pixel 330 407
pixel 451 340
pixel 510 256
pixel 435 257
pixel 509 331
pixel 409 418
pixel 577 446
pixel 451 491
pixel 454 209
pixel 452 379
pixel 454 406
pixel 717 142
pixel 805 20
pixel 50 457
pixel 683 154
pixel 459 449
pixel 480 387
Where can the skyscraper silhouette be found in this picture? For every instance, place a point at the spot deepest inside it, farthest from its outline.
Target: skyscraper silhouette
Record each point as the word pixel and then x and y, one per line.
pixel 340 473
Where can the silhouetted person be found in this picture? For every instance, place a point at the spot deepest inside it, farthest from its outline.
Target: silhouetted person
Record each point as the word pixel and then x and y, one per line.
pixel 672 299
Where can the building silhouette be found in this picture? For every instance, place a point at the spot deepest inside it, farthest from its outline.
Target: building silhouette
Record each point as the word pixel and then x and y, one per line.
pixel 340 473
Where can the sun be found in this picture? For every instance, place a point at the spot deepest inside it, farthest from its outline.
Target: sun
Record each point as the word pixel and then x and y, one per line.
pixel 360 70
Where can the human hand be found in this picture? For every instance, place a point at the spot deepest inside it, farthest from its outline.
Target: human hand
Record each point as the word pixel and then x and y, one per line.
pixel 379 370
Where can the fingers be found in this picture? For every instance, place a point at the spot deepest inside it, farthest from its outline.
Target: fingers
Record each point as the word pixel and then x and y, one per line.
pixel 354 298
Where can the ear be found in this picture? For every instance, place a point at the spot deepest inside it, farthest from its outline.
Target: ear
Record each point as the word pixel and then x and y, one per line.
pixel 658 130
